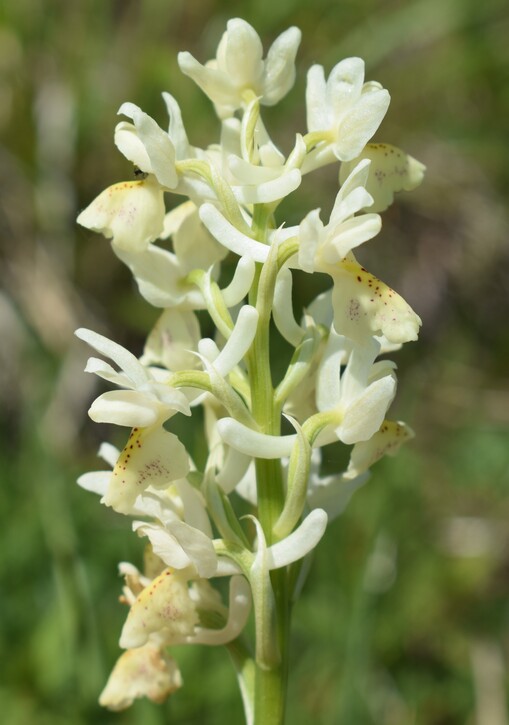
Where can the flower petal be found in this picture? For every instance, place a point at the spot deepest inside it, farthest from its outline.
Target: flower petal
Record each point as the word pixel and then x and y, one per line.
pixel 317 116
pixel 360 123
pixel 143 672
pixel 391 170
pixel 364 417
pixel 172 340
pixel 364 306
pixel 129 143
pixel 300 542
pixel 125 360
pixel 164 608
pixel 238 613
pixel 269 191
pixel 126 407
pixel 230 237
pixel 95 481
pixel 251 442
pixel 279 71
pixel 282 310
pixel 243 53
pixel 151 457
pixel 157 143
pixel 180 545
pixel 386 441
pixel 239 342
pixel 130 213
pixel 240 283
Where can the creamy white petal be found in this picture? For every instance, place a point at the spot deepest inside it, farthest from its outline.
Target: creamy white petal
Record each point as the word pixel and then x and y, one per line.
pixel 300 542
pixel 126 407
pixel 233 469
pixel 159 277
pixel 349 235
pixel 243 53
pixel 176 131
pixel 241 282
pixel 158 145
pixel 128 142
pixel 365 416
pixel 365 306
pixel 279 71
pixel 360 123
pixel 353 175
pixel 164 608
pixel 344 85
pixel 310 232
pixel 317 117
pixel 95 481
pixel 238 613
pixel 230 237
pixel 327 377
pixel 146 671
pixel 253 443
pixel 391 170
pixel 108 453
pixel 180 545
pixel 386 441
pixel 172 340
pixel 151 457
pixel 269 191
pixel 125 360
pixel 105 371
pixel 130 213
pixel 282 310
pixel 239 342
pixel 359 369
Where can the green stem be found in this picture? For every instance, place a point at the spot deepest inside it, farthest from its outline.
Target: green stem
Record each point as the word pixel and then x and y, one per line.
pixel 270 682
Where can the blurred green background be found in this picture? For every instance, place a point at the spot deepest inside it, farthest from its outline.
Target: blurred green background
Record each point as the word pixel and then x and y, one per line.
pixel 405 617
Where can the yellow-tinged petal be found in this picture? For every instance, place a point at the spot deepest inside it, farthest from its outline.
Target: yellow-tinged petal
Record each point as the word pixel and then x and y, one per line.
pixel 365 306
pixel 391 170
pixel 143 672
pixel 151 457
pixel 386 441
pixel 164 608
pixel 130 213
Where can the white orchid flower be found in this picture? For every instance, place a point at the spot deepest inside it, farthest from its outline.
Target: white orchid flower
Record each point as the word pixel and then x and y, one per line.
pixel 344 107
pixel 144 401
pixel 360 395
pixel 131 213
pixel 161 274
pixel 386 441
pixel 152 455
pixel 183 527
pixel 173 341
pixel 391 170
pixel 166 612
pixel 292 548
pixel 146 144
pixel 147 671
pixel 239 68
pixel 259 172
pixel 238 242
pixel 364 306
pixel 322 246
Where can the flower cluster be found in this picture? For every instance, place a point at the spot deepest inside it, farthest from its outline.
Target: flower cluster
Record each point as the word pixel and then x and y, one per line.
pixel 336 387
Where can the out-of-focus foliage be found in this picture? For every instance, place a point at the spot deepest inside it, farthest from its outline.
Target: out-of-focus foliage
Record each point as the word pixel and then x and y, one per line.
pixel 405 616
